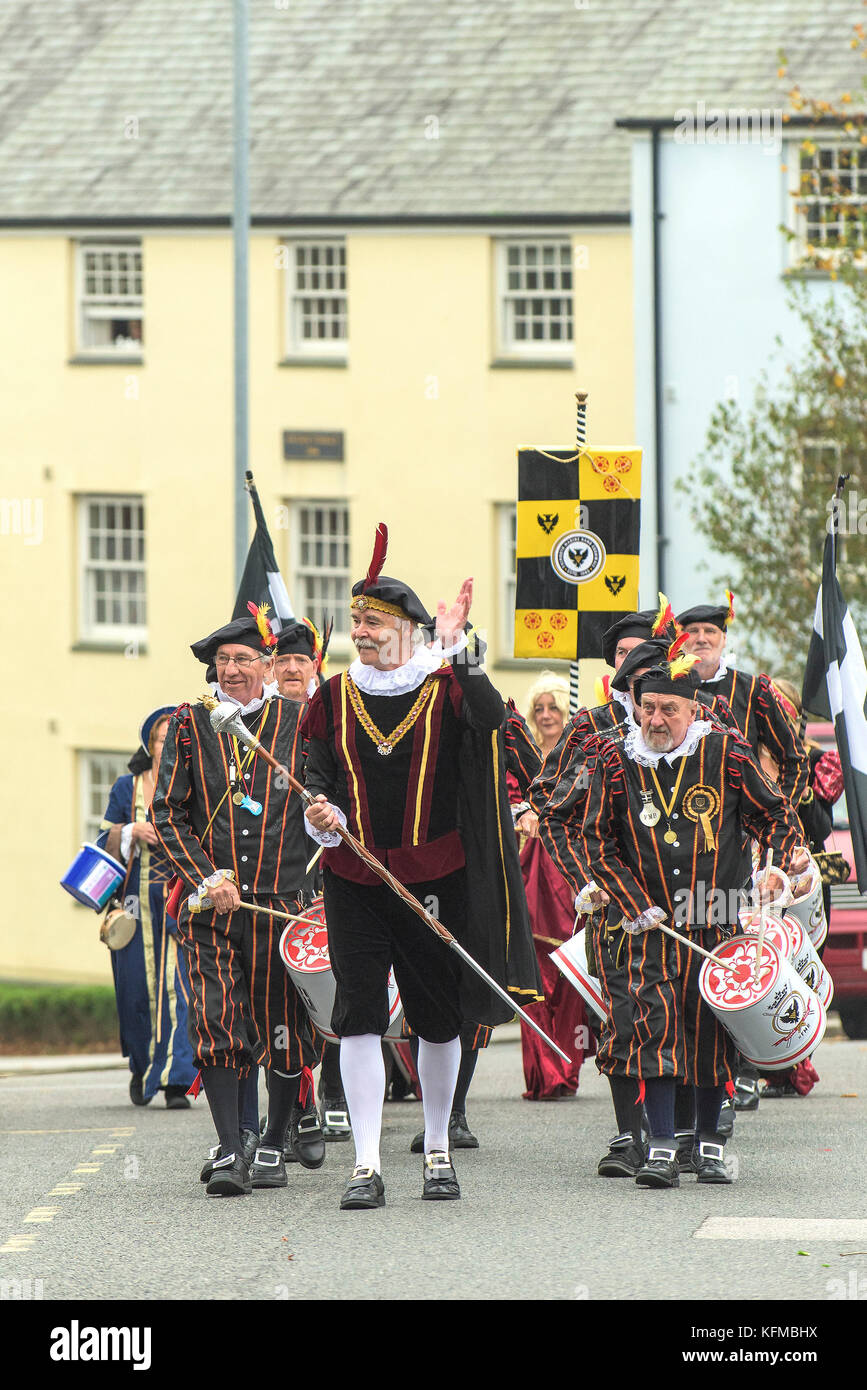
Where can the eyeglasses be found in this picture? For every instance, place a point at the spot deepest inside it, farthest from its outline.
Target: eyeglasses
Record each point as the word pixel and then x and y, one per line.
pixel 242 662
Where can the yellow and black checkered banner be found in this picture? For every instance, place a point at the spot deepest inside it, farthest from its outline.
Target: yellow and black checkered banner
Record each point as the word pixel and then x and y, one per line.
pixel 579 516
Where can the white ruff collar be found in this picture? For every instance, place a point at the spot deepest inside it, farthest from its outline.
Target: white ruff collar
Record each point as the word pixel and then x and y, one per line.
pixel 623 698
pixel 638 750
pixel 423 662
pixel 252 707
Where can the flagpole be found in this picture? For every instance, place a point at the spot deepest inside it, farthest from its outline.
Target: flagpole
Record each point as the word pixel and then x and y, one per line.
pixel 842 480
pixel 580 441
pixel 240 248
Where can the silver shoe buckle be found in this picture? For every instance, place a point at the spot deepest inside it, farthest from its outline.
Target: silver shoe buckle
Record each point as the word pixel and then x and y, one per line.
pixel 709 1150
pixel 654 1154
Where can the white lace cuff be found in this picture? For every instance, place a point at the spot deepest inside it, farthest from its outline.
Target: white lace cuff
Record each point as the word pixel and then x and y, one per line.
pixel 126 842
pixel 645 921
pixel 328 838
pixel 437 648
pixel 583 904
pixel 783 897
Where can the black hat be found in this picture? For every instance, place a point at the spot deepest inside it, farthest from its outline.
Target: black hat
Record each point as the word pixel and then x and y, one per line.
pixel 244 632
pixel 669 678
pixel 296 637
pixel 629 625
pixel 647 654
pixel 720 614
pixel 386 595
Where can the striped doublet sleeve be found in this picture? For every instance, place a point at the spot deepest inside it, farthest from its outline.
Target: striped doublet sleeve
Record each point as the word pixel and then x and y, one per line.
pixel 783 743
pixel 607 816
pixel 767 815
pixel 169 812
pixel 523 758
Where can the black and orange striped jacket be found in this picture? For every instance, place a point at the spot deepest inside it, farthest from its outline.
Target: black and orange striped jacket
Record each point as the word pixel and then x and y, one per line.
pixel 695 882
pixel 268 852
pixel 761 719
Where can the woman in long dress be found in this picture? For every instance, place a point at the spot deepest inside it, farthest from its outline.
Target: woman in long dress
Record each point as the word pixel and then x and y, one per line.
pixel 552 916
pixel 150 975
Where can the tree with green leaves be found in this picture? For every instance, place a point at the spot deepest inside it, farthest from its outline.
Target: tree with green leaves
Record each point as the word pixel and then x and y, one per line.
pixel 761 488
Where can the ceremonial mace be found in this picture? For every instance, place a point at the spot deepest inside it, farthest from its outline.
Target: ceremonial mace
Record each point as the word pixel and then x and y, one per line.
pixel 225 718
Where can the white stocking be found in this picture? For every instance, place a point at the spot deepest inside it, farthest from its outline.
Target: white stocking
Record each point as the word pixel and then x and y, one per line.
pixel 363 1073
pixel 438 1065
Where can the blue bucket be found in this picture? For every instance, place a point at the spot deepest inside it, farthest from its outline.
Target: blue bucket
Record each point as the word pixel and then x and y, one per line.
pixel 93 876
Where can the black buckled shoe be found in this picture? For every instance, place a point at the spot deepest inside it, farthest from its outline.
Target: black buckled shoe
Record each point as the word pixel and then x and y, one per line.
pixel 778 1090
pixel 623 1159
pixel 660 1167
pixel 268 1169
pixel 746 1093
pixel 440 1178
pixel 249 1144
pixel 460 1134
pixel 136 1089
pixel 417 1145
pixel 230 1177
pixel 336 1128
pixel 685 1140
pixel 305 1138
pixel 708 1158
pixel 364 1192
pixel 726 1122
pixel 176 1098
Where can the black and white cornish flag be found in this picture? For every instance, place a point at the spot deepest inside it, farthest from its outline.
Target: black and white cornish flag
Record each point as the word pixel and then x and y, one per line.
pixel 262 581
pixel 835 686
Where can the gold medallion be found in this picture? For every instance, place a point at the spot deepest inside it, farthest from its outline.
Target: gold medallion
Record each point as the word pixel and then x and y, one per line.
pixel 670 837
pixel 238 798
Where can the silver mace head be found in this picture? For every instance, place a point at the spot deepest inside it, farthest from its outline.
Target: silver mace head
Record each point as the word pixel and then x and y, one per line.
pixel 226 719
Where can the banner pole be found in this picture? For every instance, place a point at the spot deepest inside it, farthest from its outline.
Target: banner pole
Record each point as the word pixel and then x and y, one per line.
pixel 580 440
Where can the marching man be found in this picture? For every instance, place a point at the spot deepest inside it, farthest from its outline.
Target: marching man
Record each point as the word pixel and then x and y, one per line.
pixel 387 756
pixel 666 815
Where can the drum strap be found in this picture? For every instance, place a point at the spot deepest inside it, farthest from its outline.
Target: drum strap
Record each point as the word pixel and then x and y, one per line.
pixel 113 905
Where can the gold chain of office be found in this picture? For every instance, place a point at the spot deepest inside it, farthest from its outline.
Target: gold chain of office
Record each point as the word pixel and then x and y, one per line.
pixel 386 743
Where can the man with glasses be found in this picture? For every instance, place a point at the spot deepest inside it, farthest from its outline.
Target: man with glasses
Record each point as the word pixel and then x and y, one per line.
pixel 236 837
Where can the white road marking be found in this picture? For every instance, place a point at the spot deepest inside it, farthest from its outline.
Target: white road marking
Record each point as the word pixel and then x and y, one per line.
pixel 800 1228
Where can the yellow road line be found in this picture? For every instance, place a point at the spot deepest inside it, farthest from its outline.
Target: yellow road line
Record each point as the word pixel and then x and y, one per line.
pixel 87 1168
pixel 17 1244
pixel 42 1214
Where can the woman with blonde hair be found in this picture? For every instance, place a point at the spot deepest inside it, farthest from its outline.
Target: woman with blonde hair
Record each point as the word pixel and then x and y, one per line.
pixel 552 918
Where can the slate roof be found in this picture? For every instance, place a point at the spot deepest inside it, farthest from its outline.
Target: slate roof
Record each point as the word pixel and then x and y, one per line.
pixel 526 93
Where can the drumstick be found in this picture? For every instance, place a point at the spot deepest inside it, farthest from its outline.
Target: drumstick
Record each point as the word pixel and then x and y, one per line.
pixel 313 860
pixel 693 946
pixel 287 916
pixel 760 944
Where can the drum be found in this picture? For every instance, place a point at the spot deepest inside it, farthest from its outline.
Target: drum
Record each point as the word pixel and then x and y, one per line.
pixel 776 1020
pixel 571 960
pixel 807 960
pixel 118 929
pixel 93 876
pixel 809 908
pixel 790 939
pixel 304 952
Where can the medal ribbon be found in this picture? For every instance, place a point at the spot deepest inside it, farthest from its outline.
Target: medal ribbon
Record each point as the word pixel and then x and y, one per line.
pixel 668 806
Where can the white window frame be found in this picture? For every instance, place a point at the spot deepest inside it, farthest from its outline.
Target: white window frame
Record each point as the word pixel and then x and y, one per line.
pixel 834 447
pixel 91 630
pixel 296 344
pixel 97 305
pixel 507 344
pixel 88 820
pixel 338 606
pixel 507 545
pixel 797 221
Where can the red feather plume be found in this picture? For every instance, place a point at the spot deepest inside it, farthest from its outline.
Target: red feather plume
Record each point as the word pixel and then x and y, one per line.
pixel 731 602
pixel 377 560
pixel 676 646
pixel 664 617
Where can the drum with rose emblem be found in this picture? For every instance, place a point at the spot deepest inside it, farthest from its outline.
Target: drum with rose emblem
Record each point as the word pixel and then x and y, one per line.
pixel 776 1020
pixel 809 908
pixel 304 952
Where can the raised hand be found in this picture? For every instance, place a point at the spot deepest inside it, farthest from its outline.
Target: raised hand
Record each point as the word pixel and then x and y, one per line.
pixel 450 623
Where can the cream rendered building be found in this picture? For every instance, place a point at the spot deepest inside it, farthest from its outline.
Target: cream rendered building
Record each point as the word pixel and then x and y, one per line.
pixel 444 283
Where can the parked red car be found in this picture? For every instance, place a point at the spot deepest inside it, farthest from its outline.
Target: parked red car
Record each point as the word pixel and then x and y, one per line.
pixel 845 953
